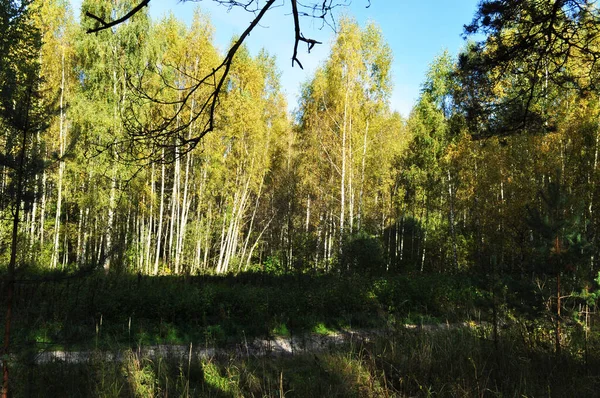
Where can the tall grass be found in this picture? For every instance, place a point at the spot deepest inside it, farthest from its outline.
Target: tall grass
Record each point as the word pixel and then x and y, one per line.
pixel 454 363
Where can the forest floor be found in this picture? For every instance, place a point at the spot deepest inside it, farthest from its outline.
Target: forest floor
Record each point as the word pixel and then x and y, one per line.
pixel 259 347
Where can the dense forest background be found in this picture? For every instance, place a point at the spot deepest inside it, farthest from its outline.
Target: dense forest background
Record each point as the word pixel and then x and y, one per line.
pixel 342 184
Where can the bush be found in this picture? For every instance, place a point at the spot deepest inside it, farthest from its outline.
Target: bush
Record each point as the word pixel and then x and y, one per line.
pixel 363 254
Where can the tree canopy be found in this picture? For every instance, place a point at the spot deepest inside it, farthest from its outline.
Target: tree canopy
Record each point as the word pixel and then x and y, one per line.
pixel 531 51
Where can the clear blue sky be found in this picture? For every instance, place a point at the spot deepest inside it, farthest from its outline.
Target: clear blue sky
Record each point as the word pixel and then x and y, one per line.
pixel 416 30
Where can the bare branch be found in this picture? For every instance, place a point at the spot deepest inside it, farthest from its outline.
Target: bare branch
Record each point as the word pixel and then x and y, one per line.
pixel 107 25
pixel 162 134
pixel 298 36
pixel 166 129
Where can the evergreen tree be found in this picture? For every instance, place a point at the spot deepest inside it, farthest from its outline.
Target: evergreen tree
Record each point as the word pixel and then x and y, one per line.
pixel 22 120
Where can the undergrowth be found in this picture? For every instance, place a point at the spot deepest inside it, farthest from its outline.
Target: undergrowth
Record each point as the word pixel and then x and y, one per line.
pixel 453 363
pixel 104 311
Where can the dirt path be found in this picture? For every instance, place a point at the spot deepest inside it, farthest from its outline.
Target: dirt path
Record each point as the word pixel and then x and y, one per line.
pixel 276 346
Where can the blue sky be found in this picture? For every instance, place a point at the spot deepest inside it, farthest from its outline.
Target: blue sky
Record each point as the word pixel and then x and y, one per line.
pixel 416 30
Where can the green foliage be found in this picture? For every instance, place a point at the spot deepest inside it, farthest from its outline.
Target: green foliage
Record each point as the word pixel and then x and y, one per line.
pixel 363 254
pixel 562 242
pixel 521 43
pixel 281 330
pixel 272 265
pixel 321 329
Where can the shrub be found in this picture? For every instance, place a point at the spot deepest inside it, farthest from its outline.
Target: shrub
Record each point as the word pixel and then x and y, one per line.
pixel 363 253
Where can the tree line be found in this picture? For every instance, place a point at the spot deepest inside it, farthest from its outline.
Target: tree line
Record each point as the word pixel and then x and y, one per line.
pixel 495 170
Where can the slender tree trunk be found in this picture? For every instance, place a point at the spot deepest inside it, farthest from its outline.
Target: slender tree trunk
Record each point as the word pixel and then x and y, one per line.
pixel 219 268
pixel 197 251
pixel 343 170
pixel 326 236
pixel 558 320
pixel 202 229
pixel 592 177
pixel 558 250
pixel 65 244
pixel 182 217
pixel 174 208
pixel 85 241
pixel 207 235
pixel 425 232
pixel 61 165
pixel 307 223
pixel 290 236
pixel 234 227
pixel 179 249
pixel 78 248
pixel 33 213
pixel 160 214
pixel 43 210
pixel 256 242
pixel 451 222
pixel 362 176
pixel 331 238
pixel 403 224
pixel 99 241
pixel 249 233
pixel 350 177
pixel 10 283
pixel 139 236
pixel 148 263
pixel 320 233
pixel 113 181
pixel 12 264
pixel 110 220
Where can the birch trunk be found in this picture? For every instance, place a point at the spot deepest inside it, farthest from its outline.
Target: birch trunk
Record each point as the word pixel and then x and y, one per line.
pixel 184 204
pixel 174 208
pixel 113 181
pixel 222 244
pixel 78 248
pixel 451 221
pixel 350 177
pixel 362 176
pixel 343 170
pixel 249 233
pixel 160 215
pixel 307 223
pixel 61 165
pixel 207 239
pixel 43 209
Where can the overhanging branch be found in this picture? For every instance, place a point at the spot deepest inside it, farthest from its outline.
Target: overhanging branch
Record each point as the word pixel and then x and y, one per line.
pixel 298 35
pixel 107 25
pixel 166 129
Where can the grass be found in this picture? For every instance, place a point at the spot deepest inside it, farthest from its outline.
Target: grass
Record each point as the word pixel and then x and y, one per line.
pixel 321 329
pixel 120 312
pixel 453 363
pixel 281 330
pixel 105 311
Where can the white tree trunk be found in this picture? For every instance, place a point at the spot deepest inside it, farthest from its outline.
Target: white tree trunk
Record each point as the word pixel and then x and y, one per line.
pixel 160 215
pixel 61 166
pixel 362 176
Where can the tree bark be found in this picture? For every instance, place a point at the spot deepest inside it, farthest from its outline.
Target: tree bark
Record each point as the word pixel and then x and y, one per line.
pixel 160 215
pixel 61 166
pixel 451 221
pixel 12 264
